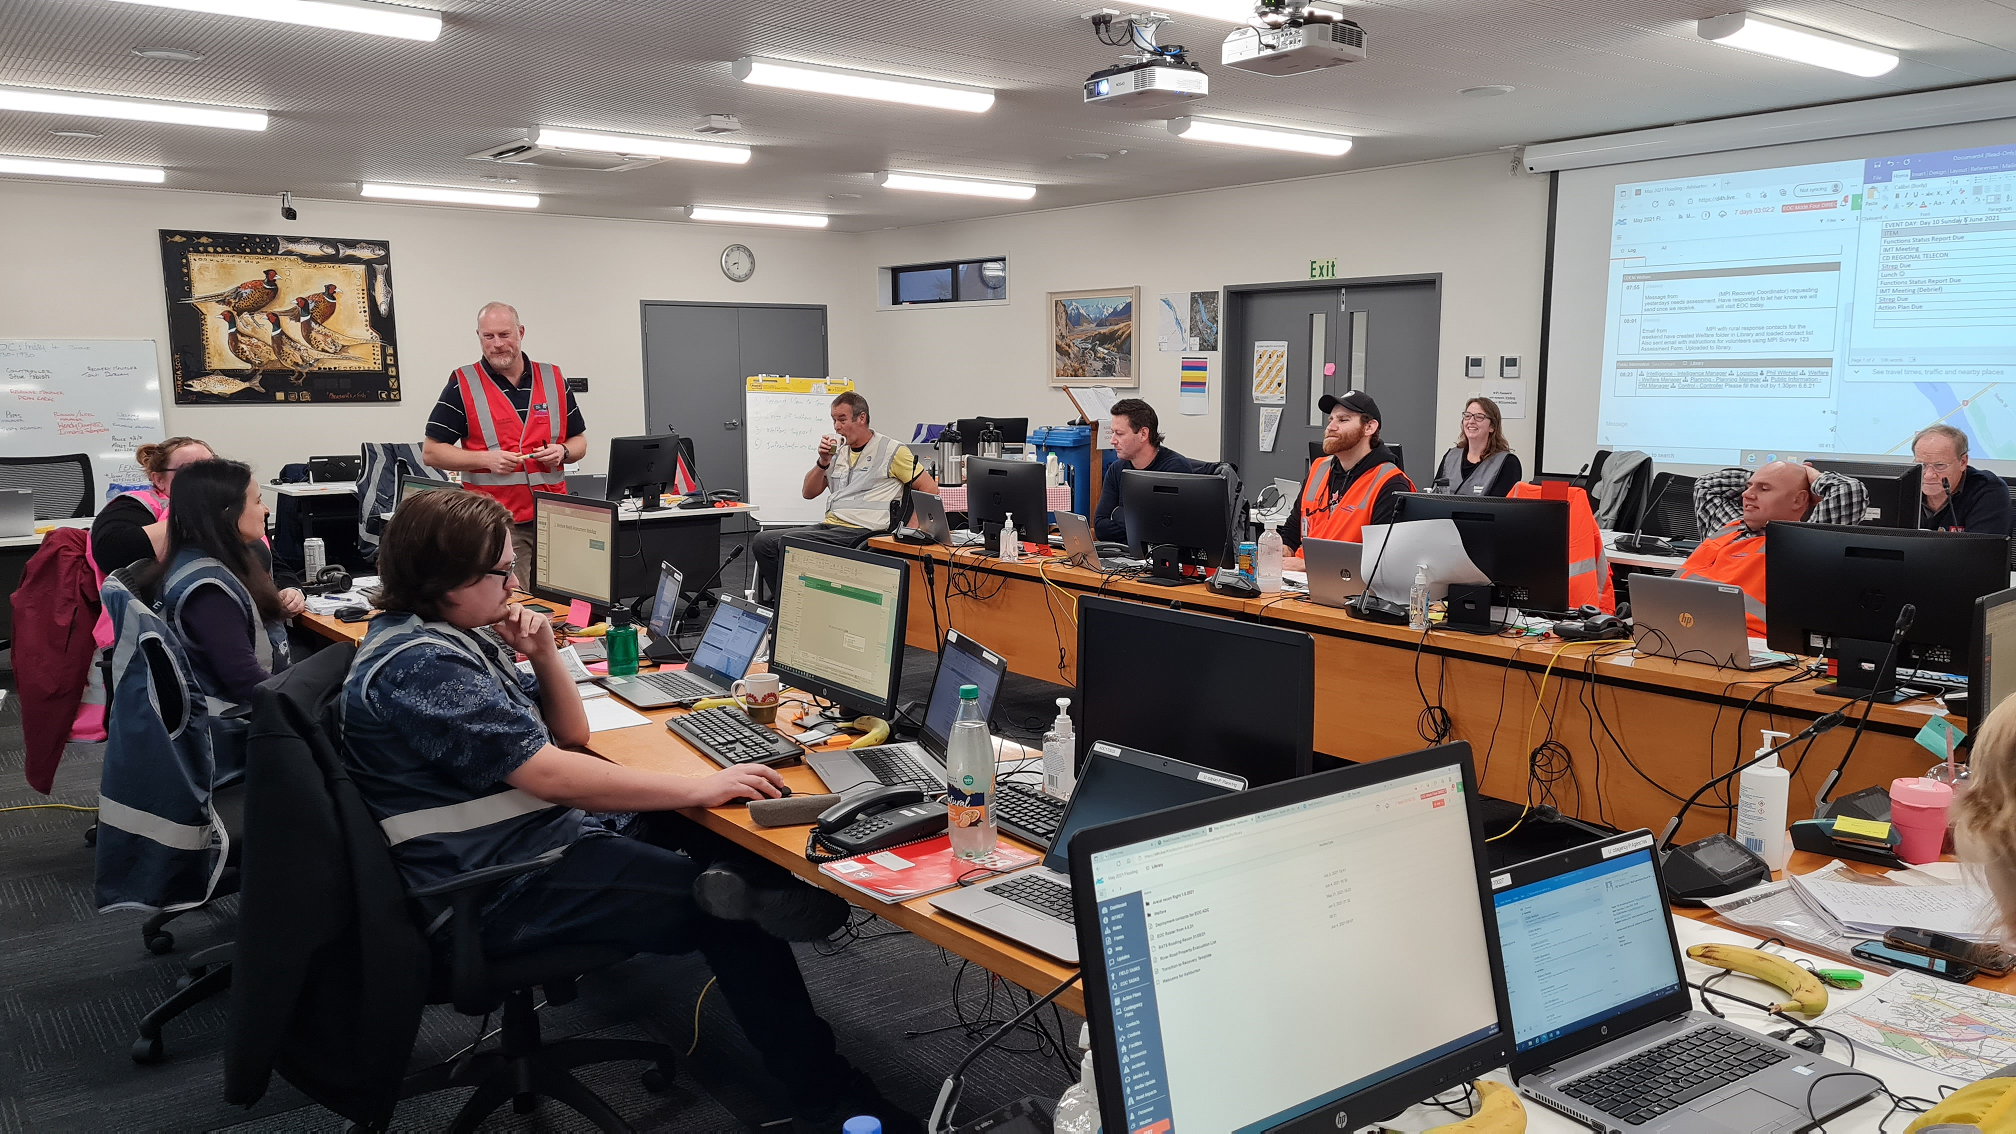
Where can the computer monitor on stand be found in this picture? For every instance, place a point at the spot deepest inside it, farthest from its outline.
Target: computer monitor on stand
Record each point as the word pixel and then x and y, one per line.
pixel 997 489
pixel 1176 520
pixel 1896 492
pixel 643 467
pixel 576 556
pixel 1520 545
pixel 1988 683
pixel 841 616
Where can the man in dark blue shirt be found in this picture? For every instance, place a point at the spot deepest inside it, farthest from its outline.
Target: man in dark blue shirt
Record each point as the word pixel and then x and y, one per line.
pixel 1137 444
pixel 1958 496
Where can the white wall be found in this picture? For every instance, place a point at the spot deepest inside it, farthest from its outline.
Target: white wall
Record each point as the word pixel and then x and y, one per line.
pixel 1473 220
pixel 84 261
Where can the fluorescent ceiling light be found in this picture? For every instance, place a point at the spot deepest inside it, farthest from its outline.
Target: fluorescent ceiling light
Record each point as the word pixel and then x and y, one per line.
pixel 1767 36
pixel 91 170
pixel 890 179
pixel 1265 137
pixel 656 147
pixel 755 216
pixel 443 196
pixel 861 84
pixel 131 109
pixel 342 15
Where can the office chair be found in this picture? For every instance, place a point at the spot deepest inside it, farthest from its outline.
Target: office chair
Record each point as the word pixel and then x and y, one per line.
pixel 2012 543
pixel 1670 508
pixel 63 485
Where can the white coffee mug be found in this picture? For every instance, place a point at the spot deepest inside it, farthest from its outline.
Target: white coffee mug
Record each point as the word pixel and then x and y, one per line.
pixel 758 695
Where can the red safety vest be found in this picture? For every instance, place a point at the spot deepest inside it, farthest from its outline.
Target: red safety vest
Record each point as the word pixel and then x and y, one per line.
pixel 1588 568
pixel 494 424
pixel 1344 518
pixel 1735 557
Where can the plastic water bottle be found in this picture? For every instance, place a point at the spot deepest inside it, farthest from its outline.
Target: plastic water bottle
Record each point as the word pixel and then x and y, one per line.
pixel 1060 754
pixel 969 776
pixel 1011 542
pixel 1078 1109
pixel 620 643
pixel 1267 555
pixel 1417 601
pixel 1053 473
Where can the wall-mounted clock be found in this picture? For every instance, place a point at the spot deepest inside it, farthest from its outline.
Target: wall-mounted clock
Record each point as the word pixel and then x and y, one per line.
pixel 737 262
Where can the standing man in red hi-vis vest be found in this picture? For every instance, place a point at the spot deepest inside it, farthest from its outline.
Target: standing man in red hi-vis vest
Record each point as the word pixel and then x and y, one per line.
pixel 1735 509
pixel 507 424
pixel 1353 484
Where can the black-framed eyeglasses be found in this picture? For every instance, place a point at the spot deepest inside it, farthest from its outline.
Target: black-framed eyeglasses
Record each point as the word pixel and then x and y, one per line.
pixel 1476 417
pixel 505 572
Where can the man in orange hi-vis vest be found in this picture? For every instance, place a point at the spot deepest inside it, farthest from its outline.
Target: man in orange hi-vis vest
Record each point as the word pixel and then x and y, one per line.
pixel 508 424
pixel 1733 506
pixel 1353 484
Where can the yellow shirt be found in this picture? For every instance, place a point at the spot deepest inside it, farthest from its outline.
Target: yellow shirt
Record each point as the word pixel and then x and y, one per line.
pixel 903 467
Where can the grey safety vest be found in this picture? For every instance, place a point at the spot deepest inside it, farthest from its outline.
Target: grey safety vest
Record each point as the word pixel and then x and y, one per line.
pixel 1480 478
pixel 862 492
pixel 229 721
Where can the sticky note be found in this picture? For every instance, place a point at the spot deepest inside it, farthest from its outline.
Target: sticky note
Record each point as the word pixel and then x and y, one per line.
pixel 1940 736
pixel 579 613
pixel 1329 369
pixel 1866 828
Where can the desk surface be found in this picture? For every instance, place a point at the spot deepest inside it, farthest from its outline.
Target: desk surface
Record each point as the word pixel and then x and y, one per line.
pixel 34 539
pixel 304 488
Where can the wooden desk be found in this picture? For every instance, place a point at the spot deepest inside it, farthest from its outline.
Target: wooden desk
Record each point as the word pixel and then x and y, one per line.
pixel 1676 720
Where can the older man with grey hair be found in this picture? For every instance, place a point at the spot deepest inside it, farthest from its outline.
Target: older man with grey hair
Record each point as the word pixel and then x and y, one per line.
pixel 508 424
pixel 1958 496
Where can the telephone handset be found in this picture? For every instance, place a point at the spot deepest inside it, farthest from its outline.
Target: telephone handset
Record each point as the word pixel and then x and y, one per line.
pixel 876 819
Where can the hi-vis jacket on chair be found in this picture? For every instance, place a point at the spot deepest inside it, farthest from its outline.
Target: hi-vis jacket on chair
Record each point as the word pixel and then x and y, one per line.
pixel 1588 569
pixel 1732 553
pixel 494 424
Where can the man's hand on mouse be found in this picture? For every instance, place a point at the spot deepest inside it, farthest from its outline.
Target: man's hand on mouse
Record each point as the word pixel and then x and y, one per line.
pixel 744 781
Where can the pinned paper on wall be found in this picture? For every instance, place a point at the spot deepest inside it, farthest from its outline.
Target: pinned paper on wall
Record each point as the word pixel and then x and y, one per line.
pixel 1203 320
pixel 1195 398
pixel 1270 427
pixel 1171 333
pixel 1270 372
pixel 1510 394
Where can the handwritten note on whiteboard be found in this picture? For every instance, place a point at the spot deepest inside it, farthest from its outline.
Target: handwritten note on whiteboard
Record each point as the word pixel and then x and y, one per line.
pixel 785 419
pixel 95 396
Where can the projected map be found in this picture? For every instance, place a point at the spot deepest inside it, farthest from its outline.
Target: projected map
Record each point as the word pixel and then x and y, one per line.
pixel 1832 308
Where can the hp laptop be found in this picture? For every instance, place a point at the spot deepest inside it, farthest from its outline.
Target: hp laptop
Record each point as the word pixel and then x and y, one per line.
pixel 730 643
pixel 1033 907
pixel 1603 1026
pixel 1693 620
pixel 927 515
pixel 961 661
pixel 1336 570
pixel 17 512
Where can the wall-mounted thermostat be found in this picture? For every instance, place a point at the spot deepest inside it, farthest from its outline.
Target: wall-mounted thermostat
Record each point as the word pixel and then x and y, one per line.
pixel 1508 366
pixel 1473 366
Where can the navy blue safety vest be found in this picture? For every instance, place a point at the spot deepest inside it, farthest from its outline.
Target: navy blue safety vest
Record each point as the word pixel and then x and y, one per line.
pixel 192 571
pixel 435 826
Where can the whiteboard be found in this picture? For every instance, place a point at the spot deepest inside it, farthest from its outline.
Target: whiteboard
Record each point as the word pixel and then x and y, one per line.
pixel 785 418
pixel 96 396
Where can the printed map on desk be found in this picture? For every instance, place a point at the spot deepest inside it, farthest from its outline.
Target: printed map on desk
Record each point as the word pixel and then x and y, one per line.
pixel 1949 1029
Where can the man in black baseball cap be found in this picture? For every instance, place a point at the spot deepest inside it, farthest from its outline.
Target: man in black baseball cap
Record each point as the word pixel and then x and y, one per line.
pixel 1355 481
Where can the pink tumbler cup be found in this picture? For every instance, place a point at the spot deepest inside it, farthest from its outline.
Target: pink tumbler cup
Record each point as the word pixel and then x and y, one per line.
pixel 1918 810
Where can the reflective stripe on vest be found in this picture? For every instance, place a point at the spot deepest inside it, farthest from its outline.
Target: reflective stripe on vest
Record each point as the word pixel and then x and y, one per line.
pixel 1480 478
pixel 1737 558
pixel 863 491
pixel 481 398
pixel 176 836
pixel 1344 518
pixel 458 817
pixel 201 571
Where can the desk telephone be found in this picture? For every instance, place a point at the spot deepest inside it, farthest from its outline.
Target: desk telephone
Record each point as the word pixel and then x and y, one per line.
pixel 880 818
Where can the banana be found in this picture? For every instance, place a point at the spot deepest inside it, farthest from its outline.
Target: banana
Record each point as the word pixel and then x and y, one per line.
pixel 877 731
pixel 1985 1104
pixel 1499 1111
pixel 713 703
pixel 1809 995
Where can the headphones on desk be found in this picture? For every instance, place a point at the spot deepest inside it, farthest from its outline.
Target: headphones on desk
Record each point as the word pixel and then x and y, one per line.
pixel 1592 625
pixel 331 580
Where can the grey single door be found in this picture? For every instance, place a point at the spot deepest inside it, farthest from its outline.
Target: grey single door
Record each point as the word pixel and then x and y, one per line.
pixel 696 356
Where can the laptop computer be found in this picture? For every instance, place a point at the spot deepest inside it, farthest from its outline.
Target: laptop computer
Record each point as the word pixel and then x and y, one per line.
pixel 1604 1030
pixel 920 764
pixel 664 624
pixel 1336 570
pixel 1075 538
pixel 1033 907
pixel 334 469
pixel 1693 620
pixel 17 512
pixel 927 515
pixel 723 656
pixel 410 484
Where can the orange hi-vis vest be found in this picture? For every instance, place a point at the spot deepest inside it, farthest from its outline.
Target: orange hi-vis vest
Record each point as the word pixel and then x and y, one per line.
pixel 1588 568
pixel 497 426
pixel 1736 557
pixel 1344 518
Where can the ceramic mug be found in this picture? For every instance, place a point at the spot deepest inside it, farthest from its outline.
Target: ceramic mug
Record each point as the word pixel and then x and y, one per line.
pixel 758 695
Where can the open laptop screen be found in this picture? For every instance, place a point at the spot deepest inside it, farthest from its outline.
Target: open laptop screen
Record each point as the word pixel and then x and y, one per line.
pixel 1584 946
pixel 1113 787
pixel 961 661
pixel 731 640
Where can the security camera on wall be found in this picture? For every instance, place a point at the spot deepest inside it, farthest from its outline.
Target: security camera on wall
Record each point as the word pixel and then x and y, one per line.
pixel 287 209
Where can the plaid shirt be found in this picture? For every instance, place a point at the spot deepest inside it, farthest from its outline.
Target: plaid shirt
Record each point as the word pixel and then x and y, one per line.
pixel 1718 500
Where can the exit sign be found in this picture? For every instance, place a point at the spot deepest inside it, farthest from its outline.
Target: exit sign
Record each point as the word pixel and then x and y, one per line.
pixel 1322 269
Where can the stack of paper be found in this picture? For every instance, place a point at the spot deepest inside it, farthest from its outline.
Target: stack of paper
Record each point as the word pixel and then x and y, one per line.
pixel 1872 906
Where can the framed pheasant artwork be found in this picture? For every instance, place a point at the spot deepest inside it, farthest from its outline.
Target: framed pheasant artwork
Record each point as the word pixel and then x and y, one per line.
pixel 268 320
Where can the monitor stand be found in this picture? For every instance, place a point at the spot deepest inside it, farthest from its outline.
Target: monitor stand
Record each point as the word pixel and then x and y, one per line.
pixel 1166 568
pixel 646 501
pixel 1858 665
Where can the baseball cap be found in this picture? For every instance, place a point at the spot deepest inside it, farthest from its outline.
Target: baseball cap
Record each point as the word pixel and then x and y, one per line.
pixel 1357 401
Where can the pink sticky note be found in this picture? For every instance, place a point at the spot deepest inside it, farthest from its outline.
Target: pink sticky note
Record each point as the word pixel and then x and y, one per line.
pixel 1329 368
pixel 579 613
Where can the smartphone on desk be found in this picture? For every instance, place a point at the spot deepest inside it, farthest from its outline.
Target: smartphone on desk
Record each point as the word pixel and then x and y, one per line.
pixel 1990 959
pixel 1959 972
pixel 881 818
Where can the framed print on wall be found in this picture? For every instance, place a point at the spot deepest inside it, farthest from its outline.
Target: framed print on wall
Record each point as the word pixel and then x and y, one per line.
pixel 1092 337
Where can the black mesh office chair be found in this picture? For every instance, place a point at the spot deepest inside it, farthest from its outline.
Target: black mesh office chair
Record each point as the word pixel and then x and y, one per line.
pixel 62 485
pixel 1670 508
pixel 2012 542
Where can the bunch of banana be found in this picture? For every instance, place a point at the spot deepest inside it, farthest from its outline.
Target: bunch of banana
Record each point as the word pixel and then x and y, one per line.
pixel 874 730
pixel 1808 994
pixel 1499 1111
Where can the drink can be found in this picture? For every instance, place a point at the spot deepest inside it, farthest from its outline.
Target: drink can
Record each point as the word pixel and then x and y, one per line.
pixel 317 558
pixel 1247 550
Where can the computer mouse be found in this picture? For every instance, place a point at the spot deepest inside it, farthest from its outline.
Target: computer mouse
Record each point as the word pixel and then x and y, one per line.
pixel 784 791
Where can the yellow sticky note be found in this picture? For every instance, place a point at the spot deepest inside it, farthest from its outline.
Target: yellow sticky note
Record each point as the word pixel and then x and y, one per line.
pixel 1867 828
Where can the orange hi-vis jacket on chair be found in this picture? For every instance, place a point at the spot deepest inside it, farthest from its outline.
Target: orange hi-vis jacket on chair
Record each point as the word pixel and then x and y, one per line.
pixel 1736 557
pixel 497 427
pixel 1346 517
pixel 1588 567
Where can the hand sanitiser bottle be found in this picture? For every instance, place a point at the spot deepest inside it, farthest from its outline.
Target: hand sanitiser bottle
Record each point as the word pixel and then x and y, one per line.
pixel 1078 1110
pixel 1060 754
pixel 1760 806
pixel 1011 541
pixel 1417 601
pixel 969 779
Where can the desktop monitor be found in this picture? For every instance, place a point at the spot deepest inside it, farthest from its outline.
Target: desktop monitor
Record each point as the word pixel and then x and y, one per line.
pixel 841 616
pixel 1013 430
pixel 1987 685
pixel 1896 492
pixel 1174 519
pixel 643 467
pixel 997 488
pixel 1837 589
pixel 576 554
pixel 1249 698
pixel 1520 545
pixel 410 485
pixel 1256 961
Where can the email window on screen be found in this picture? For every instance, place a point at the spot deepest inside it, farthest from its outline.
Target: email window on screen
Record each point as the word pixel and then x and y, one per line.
pixel 837 618
pixel 573 550
pixel 1583 947
pixel 1260 967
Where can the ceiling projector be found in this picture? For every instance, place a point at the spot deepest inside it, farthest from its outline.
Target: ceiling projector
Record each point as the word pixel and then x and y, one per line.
pixel 1292 39
pixel 1155 83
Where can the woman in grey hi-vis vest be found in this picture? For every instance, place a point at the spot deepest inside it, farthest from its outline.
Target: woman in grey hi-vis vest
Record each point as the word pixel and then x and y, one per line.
pixel 1482 463
pixel 466 762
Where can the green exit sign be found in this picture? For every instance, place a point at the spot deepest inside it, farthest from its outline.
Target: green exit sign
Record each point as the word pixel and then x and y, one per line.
pixel 1322 269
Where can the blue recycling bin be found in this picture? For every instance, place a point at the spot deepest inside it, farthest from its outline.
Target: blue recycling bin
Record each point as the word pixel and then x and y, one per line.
pixel 1073 446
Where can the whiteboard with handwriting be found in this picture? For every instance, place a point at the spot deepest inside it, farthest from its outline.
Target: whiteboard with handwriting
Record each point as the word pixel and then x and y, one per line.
pixel 785 418
pixel 96 396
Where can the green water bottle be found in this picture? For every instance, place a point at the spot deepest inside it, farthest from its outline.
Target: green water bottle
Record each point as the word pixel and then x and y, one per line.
pixel 621 644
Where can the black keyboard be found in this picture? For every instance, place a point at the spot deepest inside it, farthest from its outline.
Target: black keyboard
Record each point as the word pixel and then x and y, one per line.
pixel 727 736
pixel 896 765
pixel 1646 1085
pixel 1039 894
pixel 1027 813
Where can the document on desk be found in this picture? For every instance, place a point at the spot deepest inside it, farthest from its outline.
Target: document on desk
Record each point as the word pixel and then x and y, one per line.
pixel 1397 551
pixel 1954 1030
pixel 1963 909
pixel 1777 909
pixel 606 713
